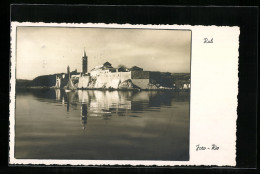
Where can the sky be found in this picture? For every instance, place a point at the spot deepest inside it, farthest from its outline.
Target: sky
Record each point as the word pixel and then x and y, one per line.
pixel 49 50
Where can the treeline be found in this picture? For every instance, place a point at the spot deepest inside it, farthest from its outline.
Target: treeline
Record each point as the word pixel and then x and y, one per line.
pixel 40 81
pixel 167 79
pixel 161 78
pixel 179 79
pixel 20 83
pixel 181 76
pixel 44 81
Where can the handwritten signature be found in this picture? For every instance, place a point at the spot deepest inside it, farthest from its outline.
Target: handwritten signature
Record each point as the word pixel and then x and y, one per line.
pixel 206 40
pixel 213 147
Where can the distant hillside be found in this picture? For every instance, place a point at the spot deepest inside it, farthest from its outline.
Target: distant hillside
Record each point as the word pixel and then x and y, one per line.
pixel 40 81
pixel 44 81
pixel 183 76
pixel 21 83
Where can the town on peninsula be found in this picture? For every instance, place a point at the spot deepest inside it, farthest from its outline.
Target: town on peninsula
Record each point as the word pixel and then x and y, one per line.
pixel 107 77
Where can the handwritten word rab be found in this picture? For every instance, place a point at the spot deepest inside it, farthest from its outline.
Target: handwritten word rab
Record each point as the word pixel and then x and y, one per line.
pixel 206 40
pixel 213 147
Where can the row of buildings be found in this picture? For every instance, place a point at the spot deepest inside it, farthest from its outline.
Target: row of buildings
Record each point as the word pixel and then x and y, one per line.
pixel 107 77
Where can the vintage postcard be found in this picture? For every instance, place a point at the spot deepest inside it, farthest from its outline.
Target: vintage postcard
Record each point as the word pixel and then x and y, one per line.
pixel 110 94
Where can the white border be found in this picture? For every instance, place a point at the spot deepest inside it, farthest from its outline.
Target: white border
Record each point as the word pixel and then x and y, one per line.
pixel 214 89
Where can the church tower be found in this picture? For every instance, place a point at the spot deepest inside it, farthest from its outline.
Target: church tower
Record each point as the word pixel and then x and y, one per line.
pixel 68 71
pixel 84 63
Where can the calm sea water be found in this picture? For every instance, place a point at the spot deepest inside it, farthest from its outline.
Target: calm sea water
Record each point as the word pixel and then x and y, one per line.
pixel 105 125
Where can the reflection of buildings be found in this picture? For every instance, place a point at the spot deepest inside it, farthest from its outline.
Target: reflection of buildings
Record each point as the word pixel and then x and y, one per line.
pixel 84 114
pixel 105 104
pixel 102 103
pixel 107 101
pixel 57 94
pixel 95 103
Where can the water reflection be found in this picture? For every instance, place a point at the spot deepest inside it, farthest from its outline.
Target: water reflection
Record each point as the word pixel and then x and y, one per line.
pixel 108 125
pixel 96 103
pixel 84 114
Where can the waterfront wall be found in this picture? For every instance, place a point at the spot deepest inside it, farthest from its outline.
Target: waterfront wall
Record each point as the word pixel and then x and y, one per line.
pixel 141 83
pixel 111 80
pixel 124 80
pixel 140 74
pixel 121 76
pixel 83 81
pixel 104 80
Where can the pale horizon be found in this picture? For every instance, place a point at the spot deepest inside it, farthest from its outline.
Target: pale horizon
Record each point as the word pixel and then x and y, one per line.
pixel 49 50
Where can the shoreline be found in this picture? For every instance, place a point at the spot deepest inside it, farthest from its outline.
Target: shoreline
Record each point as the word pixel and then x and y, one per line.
pixel 106 89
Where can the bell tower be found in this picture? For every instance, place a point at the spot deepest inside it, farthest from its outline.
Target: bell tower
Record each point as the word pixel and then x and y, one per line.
pixel 84 63
pixel 68 71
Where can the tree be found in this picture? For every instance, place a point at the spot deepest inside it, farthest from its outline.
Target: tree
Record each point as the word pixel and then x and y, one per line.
pixel 108 65
pixel 136 68
pixel 122 68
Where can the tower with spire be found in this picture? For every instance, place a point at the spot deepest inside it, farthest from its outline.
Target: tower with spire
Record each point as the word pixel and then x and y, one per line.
pixel 84 63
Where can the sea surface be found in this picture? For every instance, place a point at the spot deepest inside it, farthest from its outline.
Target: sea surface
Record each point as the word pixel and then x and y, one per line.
pixel 103 125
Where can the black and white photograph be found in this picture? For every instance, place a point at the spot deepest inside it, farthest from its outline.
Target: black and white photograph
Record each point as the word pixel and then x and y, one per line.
pixel 100 93
pixel 130 88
